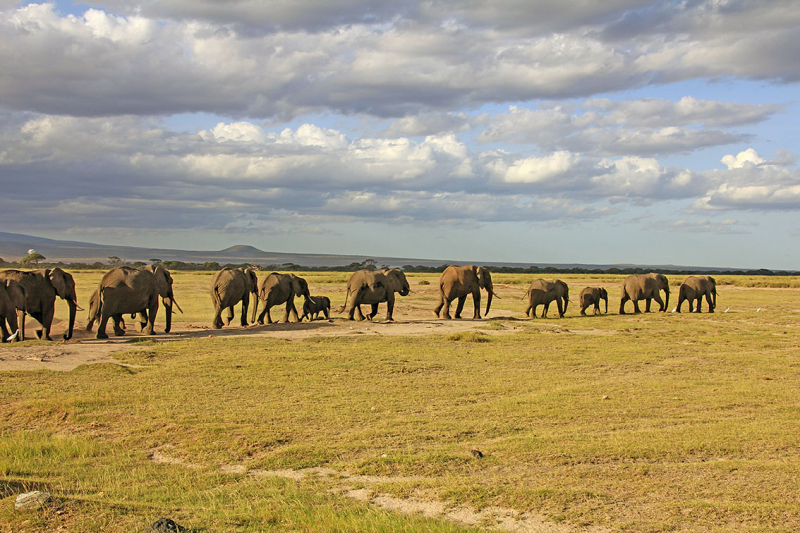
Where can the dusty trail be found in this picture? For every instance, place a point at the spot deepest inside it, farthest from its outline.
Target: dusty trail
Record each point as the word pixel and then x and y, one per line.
pixel 83 348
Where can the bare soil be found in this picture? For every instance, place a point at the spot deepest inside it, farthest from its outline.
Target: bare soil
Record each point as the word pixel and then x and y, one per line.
pixel 84 348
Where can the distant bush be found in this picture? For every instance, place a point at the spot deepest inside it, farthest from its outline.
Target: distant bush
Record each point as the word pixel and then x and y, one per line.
pixel 424 282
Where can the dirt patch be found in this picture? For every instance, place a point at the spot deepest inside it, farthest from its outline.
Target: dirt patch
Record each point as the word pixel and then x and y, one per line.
pixel 84 348
pixel 359 488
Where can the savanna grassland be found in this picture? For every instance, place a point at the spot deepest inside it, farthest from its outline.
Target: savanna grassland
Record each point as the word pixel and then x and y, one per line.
pixel 652 422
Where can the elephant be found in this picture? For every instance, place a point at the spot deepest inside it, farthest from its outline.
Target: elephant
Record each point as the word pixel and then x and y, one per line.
pixel 133 290
pixel 644 287
pixel 592 296
pixel 459 282
pixel 314 305
pixel 12 310
pixel 276 289
pixel 41 288
pixel 230 286
pixel 543 292
pixel 694 288
pixel 373 287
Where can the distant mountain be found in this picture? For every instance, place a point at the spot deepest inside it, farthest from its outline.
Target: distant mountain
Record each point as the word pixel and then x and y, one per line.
pixel 14 246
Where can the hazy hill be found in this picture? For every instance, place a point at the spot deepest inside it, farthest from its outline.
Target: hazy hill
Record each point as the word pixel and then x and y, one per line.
pixel 14 246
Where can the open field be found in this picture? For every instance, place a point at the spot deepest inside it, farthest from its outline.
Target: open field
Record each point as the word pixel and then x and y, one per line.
pixel 657 422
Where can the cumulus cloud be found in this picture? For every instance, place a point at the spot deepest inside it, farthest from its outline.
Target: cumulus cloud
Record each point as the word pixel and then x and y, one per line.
pixel 634 127
pixel 385 59
pixel 752 182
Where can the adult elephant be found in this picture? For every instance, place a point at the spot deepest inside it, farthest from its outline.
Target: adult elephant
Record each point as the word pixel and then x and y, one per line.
pixel 276 289
pixel 41 288
pixel 593 296
pixel 125 290
pixel 646 287
pixel 459 282
pixel 230 286
pixel 372 288
pixel 12 310
pixel 694 288
pixel 543 293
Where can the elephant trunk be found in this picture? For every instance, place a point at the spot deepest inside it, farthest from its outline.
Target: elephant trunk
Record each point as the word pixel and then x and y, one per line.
pixel 168 302
pixel 606 299
pixel 715 298
pixel 254 299
pixel 488 301
pixel 666 302
pixel 73 308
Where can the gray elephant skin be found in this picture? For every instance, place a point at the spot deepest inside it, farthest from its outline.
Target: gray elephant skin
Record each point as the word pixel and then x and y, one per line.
pixel 315 305
pixel 277 289
pixel 637 287
pixel 12 309
pixel 459 282
pixel 230 286
pixel 695 288
pixel 593 296
pixel 126 290
pixel 542 292
pixel 372 288
pixel 41 288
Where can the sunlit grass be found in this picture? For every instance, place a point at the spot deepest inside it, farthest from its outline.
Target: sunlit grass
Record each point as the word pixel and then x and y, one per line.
pixel 636 423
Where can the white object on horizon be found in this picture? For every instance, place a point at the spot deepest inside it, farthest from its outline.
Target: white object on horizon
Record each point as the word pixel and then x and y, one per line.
pixel 13 337
pixel 31 251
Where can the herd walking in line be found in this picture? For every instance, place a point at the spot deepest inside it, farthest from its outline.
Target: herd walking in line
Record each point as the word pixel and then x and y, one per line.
pixel 136 292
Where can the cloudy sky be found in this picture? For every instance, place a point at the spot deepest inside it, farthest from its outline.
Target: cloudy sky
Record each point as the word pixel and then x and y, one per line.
pixel 621 131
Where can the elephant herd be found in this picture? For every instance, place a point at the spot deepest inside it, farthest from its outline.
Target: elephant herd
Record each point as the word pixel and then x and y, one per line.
pixel 136 291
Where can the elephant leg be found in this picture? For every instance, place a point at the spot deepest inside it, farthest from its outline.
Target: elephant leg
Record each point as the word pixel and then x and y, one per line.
pixel 101 327
pixel 596 308
pixel 264 312
pixel 710 304
pixel 245 307
pixel 326 312
pixel 374 312
pixel 647 305
pixel 636 307
pixel 583 309
pixel 460 306
pixel 389 307
pixel 476 302
pixel 660 302
pixel 47 321
pixel 622 305
pixel 438 308
pixel 446 309
pixel 118 330
pixel 545 309
pixel 216 323
pixel 294 312
pixel 4 330
pixel 38 317
pixel 359 315
pixel 229 316
pixel 142 320
pixel 560 308
pixel 269 315
pixel 151 318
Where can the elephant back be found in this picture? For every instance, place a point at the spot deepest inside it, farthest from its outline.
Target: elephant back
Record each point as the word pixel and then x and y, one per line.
pixel 275 289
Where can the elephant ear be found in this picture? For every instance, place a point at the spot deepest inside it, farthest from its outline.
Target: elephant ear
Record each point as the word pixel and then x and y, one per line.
pixel 481 273
pixel 163 281
pixel 58 278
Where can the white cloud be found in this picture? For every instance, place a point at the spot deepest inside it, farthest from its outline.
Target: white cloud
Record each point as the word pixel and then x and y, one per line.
pixel 540 169
pixel 743 159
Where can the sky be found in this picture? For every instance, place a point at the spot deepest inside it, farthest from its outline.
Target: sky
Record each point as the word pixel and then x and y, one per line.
pixel 531 131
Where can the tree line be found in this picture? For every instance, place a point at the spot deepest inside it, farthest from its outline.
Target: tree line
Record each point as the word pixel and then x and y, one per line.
pixel 39 261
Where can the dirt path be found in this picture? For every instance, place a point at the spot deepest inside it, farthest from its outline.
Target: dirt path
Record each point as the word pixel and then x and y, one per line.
pixel 83 348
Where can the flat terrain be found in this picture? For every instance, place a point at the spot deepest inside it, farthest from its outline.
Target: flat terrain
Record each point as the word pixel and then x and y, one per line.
pixel 652 422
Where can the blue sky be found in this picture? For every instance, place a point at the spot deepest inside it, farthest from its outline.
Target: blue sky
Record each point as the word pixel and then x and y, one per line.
pixel 627 131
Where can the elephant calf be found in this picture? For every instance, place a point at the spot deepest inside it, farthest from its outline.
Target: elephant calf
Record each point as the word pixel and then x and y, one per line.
pixel 592 296
pixel 543 292
pixel 315 305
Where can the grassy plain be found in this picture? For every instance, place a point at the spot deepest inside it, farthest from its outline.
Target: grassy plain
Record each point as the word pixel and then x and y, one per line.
pixel 658 422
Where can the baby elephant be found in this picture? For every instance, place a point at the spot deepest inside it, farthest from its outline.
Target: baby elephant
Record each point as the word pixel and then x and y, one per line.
pixel 315 305
pixel 592 296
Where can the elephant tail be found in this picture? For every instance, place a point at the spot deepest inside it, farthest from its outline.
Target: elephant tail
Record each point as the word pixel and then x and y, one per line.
pixel 215 297
pixel 344 306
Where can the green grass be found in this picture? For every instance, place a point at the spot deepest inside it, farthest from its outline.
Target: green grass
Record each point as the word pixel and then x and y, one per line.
pixel 655 422
pixel 659 422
